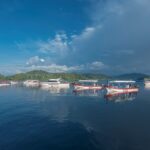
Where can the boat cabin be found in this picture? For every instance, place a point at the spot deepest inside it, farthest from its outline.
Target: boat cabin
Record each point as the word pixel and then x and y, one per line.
pixel 88 82
pixel 122 83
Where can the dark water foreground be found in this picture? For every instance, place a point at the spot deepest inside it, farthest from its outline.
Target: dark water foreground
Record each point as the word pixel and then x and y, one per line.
pixel 32 119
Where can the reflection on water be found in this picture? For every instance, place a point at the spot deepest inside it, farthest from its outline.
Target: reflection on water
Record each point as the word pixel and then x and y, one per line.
pixel 34 119
pixel 56 90
pixel 117 97
pixel 88 93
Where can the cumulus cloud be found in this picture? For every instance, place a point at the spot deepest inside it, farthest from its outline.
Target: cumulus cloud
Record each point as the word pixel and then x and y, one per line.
pixel 58 46
pixel 37 63
pixel 36 60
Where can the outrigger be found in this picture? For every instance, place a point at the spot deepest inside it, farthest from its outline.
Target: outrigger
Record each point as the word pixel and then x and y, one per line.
pixel 120 86
pixel 87 85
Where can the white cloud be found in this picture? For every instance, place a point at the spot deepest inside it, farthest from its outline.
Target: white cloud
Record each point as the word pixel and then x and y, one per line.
pixel 97 65
pixel 54 68
pixel 36 63
pixel 87 32
pixel 36 60
pixel 57 46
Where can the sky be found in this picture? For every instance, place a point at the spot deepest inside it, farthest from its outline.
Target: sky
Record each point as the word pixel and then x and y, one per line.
pixel 96 36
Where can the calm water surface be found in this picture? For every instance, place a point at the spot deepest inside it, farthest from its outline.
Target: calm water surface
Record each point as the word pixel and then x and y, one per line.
pixel 33 119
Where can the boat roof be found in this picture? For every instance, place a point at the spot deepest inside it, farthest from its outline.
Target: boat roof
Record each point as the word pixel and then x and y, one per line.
pixel 122 81
pixel 92 81
pixel 31 80
pixel 58 79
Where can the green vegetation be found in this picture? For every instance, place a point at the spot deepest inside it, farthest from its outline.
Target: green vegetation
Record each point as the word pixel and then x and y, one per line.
pixel 44 76
pixel 2 77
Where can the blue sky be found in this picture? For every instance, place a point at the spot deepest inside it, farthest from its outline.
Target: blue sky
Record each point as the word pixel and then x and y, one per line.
pixel 106 36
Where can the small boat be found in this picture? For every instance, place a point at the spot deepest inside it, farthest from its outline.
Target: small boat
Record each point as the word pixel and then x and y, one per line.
pixel 31 83
pixel 87 85
pixel 147 83
pixel 14 82
pixel 55 83
pixel 120 86
pixel 4 83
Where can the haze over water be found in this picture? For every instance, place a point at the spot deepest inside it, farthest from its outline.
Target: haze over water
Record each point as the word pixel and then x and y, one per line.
pixel 33 119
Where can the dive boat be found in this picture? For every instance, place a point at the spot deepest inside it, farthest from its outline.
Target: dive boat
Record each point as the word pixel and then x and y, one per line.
pixel 87 85
pixel 55 83
pixel 31 83
pixel 120 86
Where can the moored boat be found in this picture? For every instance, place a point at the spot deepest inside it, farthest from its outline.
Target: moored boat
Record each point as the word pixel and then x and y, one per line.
pixel 55 83
pixel 31 83
pixel 14 82
pixel 87 85
pixel 4 83
pixel 147 83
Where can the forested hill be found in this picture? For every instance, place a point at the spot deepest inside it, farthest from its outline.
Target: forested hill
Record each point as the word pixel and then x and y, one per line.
pixel 44 76
pixel 2 77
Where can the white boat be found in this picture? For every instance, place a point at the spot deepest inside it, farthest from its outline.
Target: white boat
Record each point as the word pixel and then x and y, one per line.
pixel 120 86
pixel 147 83
pixel 4 83
pixel 55 83
pixel 13 82
pixel 31 83
pixel 87 85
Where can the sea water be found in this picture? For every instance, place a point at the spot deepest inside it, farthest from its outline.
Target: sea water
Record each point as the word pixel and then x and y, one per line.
pixel 34 119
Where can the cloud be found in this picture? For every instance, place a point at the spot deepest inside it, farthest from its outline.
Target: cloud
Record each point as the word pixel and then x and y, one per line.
pixel 58 46
pixel 37 63
pixel 117 39
pixel 97 65
pixel 119 36
pixel 36 60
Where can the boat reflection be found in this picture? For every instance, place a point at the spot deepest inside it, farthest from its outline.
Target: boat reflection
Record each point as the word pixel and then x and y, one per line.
pixel 56 90
pixel 120 97
pixel 87 93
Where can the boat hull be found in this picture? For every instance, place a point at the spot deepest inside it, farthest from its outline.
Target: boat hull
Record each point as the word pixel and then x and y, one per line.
pixel 147 84
pixel 81 87
pixel 121 90
pixel 4 84
pixel 31 84
pixel 47 85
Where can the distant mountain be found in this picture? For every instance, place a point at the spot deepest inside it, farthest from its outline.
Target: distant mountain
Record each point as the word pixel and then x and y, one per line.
pixel 44 76
pixel 132 76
